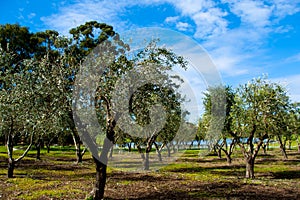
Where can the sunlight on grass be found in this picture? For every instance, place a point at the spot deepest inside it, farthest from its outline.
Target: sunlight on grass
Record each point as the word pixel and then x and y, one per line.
pixel 57 176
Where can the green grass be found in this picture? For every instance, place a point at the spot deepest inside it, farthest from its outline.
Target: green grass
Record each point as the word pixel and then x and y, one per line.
pixel 57 176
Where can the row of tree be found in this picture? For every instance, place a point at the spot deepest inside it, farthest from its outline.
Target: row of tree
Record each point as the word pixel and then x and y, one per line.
pixel 255 114
pixel 42 98
pixel 43 101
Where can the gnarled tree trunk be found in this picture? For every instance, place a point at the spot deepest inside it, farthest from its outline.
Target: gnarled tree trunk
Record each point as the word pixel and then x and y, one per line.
pixel 282 147
pixel 11 167
pixel 158 151
pixel 250 168
pixel 38 148
pixel 146 161
pixel 101 170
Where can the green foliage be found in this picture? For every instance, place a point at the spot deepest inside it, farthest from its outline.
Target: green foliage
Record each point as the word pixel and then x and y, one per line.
pixel 259 108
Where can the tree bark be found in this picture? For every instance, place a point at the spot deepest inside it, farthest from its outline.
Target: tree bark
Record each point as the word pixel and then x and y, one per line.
pixel 10 169
pixel 77 145
pixel 264 147
pixel 229 159
pixel 283 152
pixel 282 147
pixel 228 156
pixel 10 146
pixel 102 160
pixel 11 160
pixel 169 150
pixel 140 150
pixel 219 152
pixel 111 151
pixel 38 149
pixel 38 152
pixel 100 183
pixel 158 151
pixel 250 168
pixel 101 173
pixel 78 153
pixel 48 147
pixel 146 161
pixel 129 146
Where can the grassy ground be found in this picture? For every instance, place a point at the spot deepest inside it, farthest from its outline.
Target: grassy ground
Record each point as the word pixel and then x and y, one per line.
pixel 57 176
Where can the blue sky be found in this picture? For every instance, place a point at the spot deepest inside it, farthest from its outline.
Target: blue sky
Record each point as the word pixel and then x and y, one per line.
pixel 244 38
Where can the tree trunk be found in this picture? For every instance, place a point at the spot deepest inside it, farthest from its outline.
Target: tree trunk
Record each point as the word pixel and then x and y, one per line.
pixel 228 153
pixel 219 152
pixel 10 169
pixel 38 152
pixel 146 161
pixel 48 148
pixel 284 152
pixel 146 157
pixel 169 150
pixel 101 173
pixel 11 161
pixel 111 152
pixel 158 151
pixel 79 157
pixel 250 168
pixel 229 159
pixel 78 153
pixel 129 147
pixel 38 149
pixel 140 150
pixel 100 180
pixel 282 147
pixel 264 147
pixel 159 156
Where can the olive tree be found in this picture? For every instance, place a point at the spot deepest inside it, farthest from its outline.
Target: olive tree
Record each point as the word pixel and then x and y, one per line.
pixel 256 110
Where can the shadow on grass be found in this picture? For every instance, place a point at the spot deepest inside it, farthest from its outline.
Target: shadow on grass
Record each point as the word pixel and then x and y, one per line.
pixel 286 175
pixel 119 175
pixel 273 161
pixel 202 169
pixel 216 190
pixel 200 160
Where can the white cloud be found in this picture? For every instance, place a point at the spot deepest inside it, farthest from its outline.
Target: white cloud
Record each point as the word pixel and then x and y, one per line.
pixel 209 18
pixel 210 24
pixel 192 7
pixel 171 19
pixel 230 47
pixel 254 13
pixel 283 8
pixel 31 15
pixel 73 15
pixel 182 26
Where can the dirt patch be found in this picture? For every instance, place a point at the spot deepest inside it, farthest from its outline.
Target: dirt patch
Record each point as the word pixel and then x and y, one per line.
pixel 158 187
